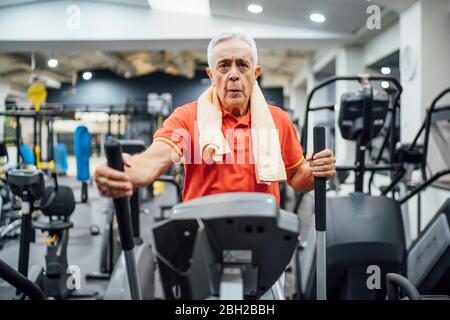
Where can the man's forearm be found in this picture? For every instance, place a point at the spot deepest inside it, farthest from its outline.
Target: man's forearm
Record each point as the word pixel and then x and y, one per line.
pixel 143 173
pixel 303 179
pixel 146 167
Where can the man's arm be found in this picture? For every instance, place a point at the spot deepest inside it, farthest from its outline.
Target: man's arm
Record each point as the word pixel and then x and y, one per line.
pixel 140 170
pixel 301 178
pixel 322 164
pixel 147 166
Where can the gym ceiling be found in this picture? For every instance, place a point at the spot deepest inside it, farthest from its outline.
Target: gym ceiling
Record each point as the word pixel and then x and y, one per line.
pixel 284 33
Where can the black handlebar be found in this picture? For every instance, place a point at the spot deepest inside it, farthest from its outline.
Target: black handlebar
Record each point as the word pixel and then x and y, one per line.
pixel 17 280
pixel 394 282
pixel 424 185
pixel 320 184
pixel 430 111
pixel 113 151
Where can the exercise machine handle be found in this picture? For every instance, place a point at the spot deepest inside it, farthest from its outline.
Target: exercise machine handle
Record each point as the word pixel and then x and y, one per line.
pixel 320 213
pixel 394 282
pixel 320 183
pixel 22 283
pixel 113 151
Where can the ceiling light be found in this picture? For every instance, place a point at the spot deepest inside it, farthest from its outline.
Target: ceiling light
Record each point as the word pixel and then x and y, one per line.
pixel 386 70
pixel 199 7
pixel 52 63
pixel 385 84
pixel 87 75
pixel 317 17
pixel 255 8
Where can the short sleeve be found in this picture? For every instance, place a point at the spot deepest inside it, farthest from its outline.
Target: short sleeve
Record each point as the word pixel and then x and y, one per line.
pixel 174 130
pixel 291 149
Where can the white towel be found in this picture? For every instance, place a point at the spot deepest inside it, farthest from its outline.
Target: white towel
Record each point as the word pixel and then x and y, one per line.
pixel 269 165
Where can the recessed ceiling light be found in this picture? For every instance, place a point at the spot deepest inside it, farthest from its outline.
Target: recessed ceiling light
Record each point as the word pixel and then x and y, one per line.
pixel 87 75
pixel 52 63
pixel 385 84
pixel 317 17
pixel 255 8
pixel 386 70
pixel 199 7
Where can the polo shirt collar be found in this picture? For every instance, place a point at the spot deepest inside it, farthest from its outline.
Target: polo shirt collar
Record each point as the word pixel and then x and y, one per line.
pixel 245 119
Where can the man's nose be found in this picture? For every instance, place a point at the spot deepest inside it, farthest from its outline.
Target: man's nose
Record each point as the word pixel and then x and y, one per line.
pixel 234 74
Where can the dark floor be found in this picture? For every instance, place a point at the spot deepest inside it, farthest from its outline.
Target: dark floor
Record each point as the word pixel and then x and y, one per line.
pixel 84 249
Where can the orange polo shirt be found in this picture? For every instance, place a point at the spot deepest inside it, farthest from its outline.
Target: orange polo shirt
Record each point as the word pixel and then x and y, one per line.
pixel 236 172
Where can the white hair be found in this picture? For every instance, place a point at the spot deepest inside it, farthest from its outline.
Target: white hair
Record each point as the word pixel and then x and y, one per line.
pixel 236 33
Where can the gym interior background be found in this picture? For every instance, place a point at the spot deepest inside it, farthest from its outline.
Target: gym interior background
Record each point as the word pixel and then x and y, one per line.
pixel 120 67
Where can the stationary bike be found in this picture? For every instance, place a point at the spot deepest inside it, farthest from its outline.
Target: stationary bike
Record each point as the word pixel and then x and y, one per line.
pixel 57 203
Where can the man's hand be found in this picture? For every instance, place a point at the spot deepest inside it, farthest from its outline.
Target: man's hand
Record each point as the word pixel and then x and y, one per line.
pixel 322 164
pixel 113 183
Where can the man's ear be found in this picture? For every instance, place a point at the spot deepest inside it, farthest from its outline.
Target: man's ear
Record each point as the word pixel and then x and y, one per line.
pixel 209 72
pixel 258 71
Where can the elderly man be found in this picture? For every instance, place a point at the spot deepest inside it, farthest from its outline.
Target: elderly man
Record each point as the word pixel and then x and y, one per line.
pixel 229 140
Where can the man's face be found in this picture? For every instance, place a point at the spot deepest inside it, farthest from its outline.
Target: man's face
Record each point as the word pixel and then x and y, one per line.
pixel 233 74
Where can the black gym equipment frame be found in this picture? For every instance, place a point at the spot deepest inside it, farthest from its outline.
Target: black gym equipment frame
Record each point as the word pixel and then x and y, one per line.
pixel 434 114
pixel 415 153
pixel 52 111
pixel 20 282
pixel 357 221
pixel 368 93
pixel 360 166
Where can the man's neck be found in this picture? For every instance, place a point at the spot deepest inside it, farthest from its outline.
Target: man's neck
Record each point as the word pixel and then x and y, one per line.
pixel 237 112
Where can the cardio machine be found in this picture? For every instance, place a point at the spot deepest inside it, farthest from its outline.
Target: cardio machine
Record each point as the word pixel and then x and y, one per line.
pixel 232 246
pixel 427 265
pixel 362 230
pixel 428 269
pixel 369 231
pixel 57 203
pixel 29 185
